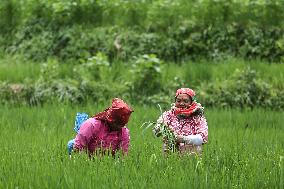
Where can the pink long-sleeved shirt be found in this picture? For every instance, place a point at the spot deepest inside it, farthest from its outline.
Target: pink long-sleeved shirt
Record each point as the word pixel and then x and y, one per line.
pixel 95 135
pixel 194 125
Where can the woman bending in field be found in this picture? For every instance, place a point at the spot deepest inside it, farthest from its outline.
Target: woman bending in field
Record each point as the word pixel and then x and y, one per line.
pixel 183 127
pixel 104 133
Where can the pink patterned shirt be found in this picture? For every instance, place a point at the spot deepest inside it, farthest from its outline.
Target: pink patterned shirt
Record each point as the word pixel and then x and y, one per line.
pixel 95 135
pixel 193 125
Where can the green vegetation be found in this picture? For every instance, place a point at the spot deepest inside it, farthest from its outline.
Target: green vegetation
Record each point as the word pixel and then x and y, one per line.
pixel 245 150
pixel 193 72
pixel 60 57
pixel 85 50
pixel 146 80
pixel 173 30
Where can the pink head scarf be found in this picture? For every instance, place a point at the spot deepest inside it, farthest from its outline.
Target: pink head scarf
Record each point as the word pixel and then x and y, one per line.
pixel 187 91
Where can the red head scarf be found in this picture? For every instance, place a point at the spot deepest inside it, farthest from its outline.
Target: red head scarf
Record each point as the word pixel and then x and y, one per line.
pixel 118 113
pixel 194 107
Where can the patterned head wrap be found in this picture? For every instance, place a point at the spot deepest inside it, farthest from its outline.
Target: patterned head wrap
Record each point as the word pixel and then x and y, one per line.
pixel 118 113
pixel 187 91
pixel 195 107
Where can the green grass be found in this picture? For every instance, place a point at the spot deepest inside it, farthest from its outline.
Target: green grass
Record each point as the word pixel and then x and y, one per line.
pixel 15 70
pixel 197 72
pixel 244 151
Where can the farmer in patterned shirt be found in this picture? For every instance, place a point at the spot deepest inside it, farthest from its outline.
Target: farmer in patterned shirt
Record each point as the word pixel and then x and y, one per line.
pixel 104 133
pixel 184 127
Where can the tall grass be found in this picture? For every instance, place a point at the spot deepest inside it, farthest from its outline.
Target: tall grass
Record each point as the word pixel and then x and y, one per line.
pixel 205 71
pixel 245 150
pixel 193 73
pixel 16 70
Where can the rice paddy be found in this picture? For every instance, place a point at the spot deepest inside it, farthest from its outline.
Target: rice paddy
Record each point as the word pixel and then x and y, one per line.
pixel 245 150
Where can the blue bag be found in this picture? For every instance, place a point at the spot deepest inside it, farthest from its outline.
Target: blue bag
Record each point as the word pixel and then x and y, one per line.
pixel 80 118
pixel 70 146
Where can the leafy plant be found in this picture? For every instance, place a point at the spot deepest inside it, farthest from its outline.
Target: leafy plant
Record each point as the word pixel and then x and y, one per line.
pixel 243 89
pixel 147 72
pixel 92 68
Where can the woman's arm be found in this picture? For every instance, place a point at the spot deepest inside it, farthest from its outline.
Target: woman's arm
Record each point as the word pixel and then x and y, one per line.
pixel 87 131
pixel 202 128
pixel 125 140
pixel 201 135
pixel 193 139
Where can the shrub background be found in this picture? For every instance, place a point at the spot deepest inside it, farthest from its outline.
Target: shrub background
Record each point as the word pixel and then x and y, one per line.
pixel 173 30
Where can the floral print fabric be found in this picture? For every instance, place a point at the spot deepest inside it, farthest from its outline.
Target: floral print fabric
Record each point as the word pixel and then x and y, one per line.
pixel 192 125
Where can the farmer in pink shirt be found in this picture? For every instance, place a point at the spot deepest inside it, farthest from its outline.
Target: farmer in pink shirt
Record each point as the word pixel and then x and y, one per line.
pixel 184 127
pixel 105 133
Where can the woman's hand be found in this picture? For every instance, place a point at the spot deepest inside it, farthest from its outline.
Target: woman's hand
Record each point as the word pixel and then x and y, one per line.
pixel 179 139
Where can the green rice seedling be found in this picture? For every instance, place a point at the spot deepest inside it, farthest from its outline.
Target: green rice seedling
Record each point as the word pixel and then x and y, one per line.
pixel 244 150
pixel 161 129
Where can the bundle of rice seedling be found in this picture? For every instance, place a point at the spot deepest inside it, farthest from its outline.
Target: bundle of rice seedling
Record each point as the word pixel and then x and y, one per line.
pixel 160 129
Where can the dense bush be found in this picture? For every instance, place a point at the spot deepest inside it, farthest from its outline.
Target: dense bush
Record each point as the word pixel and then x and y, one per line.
pixel 97 80
pixel 173 30
pixel 16 93
pixel 244 89
pixel 78 43
pixel 147 80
